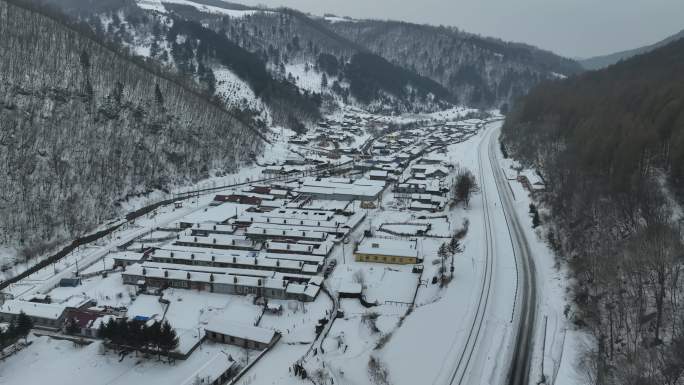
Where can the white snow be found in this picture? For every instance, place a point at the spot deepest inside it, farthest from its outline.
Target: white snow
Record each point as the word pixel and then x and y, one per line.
pixel 338 19
pixel 307 80
pixel 157 5
pixel 65 363
pixel 240 330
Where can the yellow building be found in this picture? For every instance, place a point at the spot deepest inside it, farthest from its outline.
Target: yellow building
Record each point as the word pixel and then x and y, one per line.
pixel 396 251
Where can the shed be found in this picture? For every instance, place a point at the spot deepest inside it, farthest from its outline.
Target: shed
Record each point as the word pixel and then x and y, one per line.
pixel 234 333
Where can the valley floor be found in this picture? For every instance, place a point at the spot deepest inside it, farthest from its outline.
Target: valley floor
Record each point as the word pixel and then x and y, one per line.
pixel 416 333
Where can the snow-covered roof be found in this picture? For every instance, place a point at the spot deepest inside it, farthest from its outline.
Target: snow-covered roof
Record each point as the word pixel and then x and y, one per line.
pixel 211 370
pixel 388 247
pixel 32 309
pixel 423 206
pixel 222 275
pixel 295 247
pixel 126 256
pixel 242 258
pixel 217 213
pixel 216 239
pixel 289 233
pixel 240 330
pixel 214 227
pixel 365 188
pixel 350 288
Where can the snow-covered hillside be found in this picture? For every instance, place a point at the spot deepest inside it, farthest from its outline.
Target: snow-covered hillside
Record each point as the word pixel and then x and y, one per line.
pixel 157 5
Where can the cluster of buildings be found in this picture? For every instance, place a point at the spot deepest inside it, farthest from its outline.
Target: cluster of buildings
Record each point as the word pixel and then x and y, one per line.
pixel 239 248
pixel 272 239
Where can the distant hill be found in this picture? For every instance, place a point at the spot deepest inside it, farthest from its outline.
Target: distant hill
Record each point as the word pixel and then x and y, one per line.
pixel 477 70
pixel 292 42
pixel 462 67
pixel 603 61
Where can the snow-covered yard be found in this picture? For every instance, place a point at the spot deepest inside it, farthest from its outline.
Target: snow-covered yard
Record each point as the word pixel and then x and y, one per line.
pixel 60 362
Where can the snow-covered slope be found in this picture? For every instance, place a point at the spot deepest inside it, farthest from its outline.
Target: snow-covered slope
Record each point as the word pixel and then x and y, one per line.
pixel 158 5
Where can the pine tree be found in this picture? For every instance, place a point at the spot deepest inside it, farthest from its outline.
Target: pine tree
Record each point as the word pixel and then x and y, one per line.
pixel 106 330
pixel 72 327
pixel 158 95
pixel 535 220
pixel 135 338
pixel 324 81
pixel 454 245
pixel 168 340
pixel 85 60
pixel 442 252
pixel 24 325
pixel 153 336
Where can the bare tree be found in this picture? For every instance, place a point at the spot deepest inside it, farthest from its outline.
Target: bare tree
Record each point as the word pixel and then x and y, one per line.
pixel 464 186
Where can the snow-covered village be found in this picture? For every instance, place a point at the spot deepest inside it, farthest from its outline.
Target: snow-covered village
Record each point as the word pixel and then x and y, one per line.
pixel 319 261
pixel 200 192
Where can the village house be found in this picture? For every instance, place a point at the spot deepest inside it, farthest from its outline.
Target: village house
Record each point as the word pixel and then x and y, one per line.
pixel 377 175
pixel 44 315
pixel 216 371
pixel 126 258
pixel 263 283
pixel 236 259
pixel 85 322
pixel 387 250
pixel 243 335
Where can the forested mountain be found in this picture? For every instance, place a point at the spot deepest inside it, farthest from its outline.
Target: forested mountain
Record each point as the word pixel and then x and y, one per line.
pixel 84 126
pixel 478 71
pixel 598 62
pixel 291 41
pixel 236 77
pixel 435 65
pixel 610 145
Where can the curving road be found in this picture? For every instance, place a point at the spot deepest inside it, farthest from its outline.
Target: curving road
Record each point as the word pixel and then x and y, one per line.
pixel 517 370
pixel 526 297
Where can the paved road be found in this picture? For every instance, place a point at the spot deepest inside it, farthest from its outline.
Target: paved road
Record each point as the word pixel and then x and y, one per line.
pixel 518 369
pixel 526 301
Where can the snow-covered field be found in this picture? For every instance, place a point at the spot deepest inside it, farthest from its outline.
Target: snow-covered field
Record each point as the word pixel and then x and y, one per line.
pixel 57 362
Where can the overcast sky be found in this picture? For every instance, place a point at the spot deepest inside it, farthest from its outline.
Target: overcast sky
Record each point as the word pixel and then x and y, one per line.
pixel 574 28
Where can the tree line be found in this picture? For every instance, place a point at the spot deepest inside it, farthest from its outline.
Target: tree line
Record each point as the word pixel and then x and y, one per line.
pixel 18 327
pixel 478 71
pixel 139 335
pixel 610 146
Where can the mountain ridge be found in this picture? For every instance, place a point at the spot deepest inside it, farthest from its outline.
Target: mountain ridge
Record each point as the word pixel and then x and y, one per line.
pixel 602 61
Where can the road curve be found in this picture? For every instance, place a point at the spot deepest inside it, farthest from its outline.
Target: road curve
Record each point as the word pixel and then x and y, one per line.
pixel 526 301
